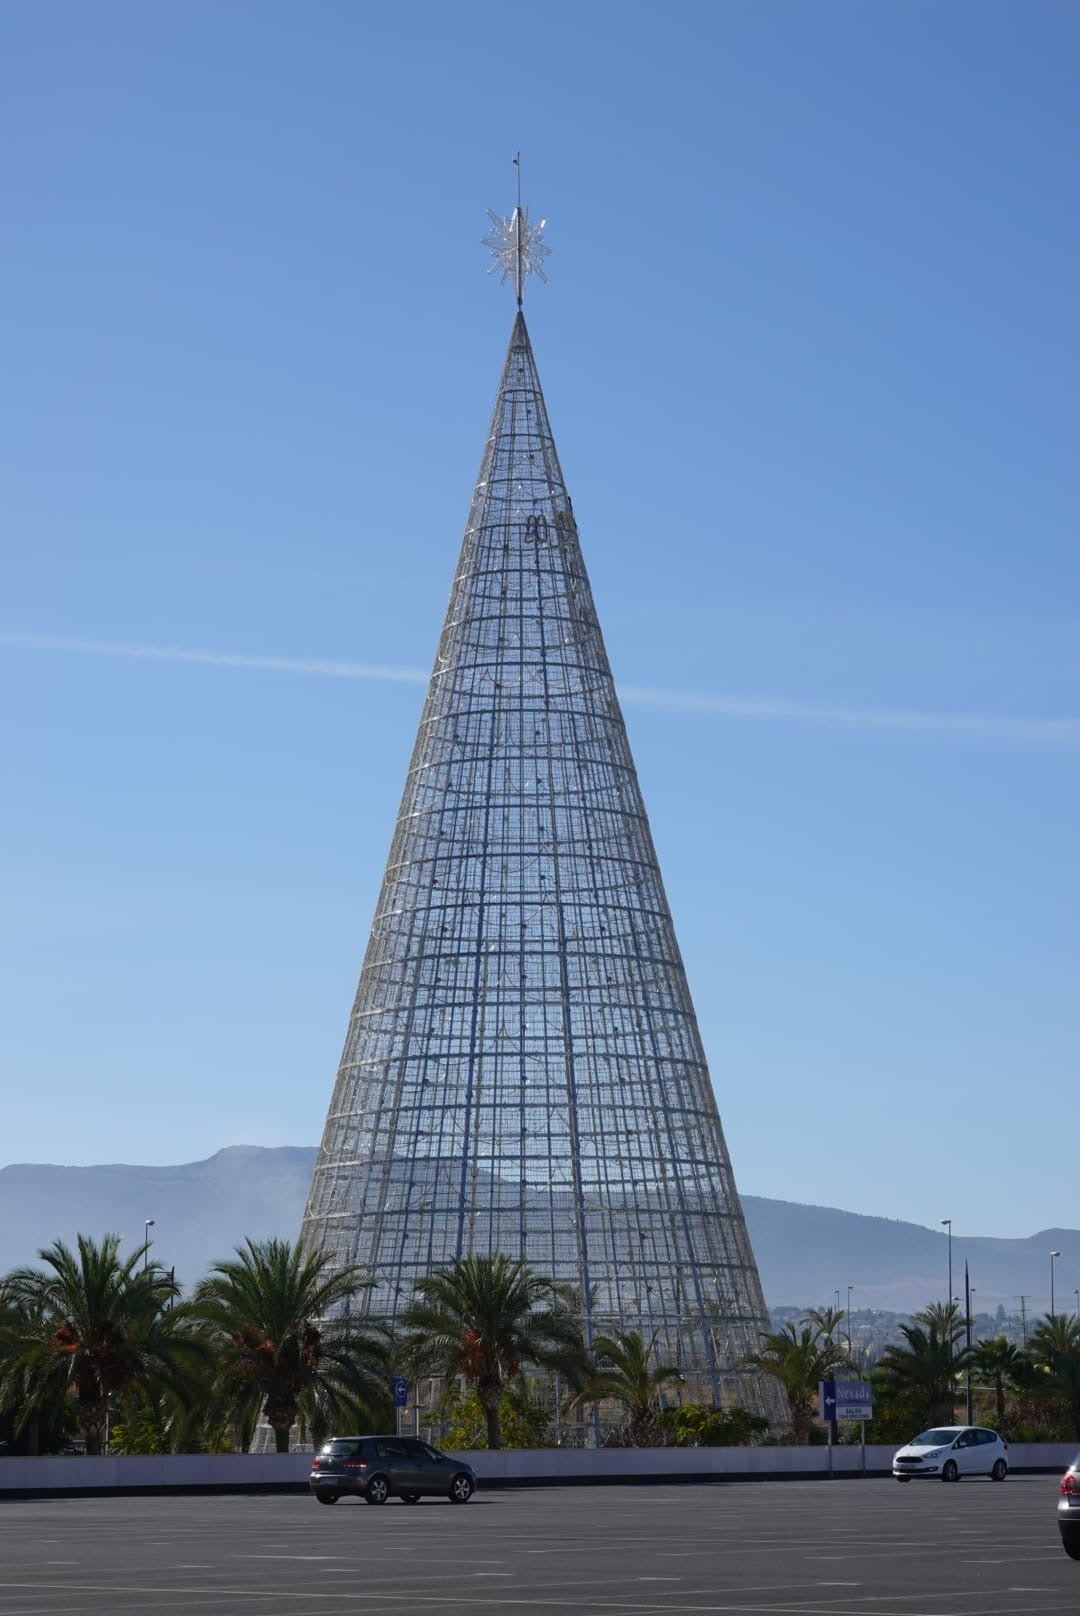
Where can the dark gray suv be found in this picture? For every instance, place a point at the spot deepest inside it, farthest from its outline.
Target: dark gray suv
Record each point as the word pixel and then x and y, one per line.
pixel 380 1467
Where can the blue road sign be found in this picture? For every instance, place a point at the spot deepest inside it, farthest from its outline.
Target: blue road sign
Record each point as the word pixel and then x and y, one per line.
pixel 846 1399
pixel 401 1392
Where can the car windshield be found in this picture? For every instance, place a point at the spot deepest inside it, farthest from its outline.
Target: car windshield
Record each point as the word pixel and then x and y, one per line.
pixel 933 1439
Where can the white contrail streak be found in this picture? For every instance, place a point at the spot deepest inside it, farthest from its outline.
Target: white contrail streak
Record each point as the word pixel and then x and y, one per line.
pixel 216 659
pixel 985 726
pixel 1061 732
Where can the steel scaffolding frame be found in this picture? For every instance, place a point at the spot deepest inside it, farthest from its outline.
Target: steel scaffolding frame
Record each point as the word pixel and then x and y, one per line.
pixel 523 1070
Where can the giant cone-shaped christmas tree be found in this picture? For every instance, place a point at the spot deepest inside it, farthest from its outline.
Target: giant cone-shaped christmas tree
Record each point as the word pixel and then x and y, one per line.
pixel 523 1071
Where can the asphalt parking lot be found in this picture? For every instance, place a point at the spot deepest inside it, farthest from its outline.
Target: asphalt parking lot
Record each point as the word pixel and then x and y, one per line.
pixel 842 1548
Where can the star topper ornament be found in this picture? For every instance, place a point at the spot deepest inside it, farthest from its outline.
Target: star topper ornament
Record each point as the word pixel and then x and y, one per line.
pixel 516 245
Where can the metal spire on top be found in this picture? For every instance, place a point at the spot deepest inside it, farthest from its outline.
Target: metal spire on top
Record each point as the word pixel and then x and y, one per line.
pixel 516 245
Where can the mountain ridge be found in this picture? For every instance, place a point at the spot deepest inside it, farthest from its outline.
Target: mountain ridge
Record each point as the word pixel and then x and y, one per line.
pixel 203 1209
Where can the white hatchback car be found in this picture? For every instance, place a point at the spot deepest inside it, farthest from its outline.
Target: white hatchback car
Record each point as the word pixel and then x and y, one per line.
pixel 948 1452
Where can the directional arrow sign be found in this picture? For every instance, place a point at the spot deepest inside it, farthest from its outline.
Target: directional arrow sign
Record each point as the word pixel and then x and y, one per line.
pixel 846 1399
pixel 854 1400
pixel 401 1392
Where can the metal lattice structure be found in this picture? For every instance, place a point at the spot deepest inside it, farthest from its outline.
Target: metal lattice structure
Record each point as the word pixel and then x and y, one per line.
pixel 523 1070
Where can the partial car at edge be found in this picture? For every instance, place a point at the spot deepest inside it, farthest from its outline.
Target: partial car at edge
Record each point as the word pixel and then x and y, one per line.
pixel 1068 1510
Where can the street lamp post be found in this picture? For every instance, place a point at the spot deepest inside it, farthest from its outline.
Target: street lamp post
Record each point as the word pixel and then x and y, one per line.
pixel 148 1224
pixel 1077 1295
pixel 1053 1256
pixel 946 1223
pixel 1023 1318
pixel 833 1334
pixel 968 1294
pixel 849 1291
pixel 558 1380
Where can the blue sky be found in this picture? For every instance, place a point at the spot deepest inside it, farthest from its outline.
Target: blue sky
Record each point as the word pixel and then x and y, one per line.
pixel 809 349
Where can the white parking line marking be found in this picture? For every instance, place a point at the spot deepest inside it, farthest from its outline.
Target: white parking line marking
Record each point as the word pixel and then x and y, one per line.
pixel 36 1610
pixel 735 1605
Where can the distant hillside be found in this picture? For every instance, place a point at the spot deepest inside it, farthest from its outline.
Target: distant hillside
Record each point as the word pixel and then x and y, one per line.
pixel 203 1209
pixel 805 1253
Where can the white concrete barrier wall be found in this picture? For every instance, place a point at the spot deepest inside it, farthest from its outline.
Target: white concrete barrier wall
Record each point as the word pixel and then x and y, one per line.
pixel 157 1470
pixel 541 1465
pixel 569 1464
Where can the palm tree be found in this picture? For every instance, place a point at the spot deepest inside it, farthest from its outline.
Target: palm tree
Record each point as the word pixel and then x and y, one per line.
pixel 923 1373
pixel 88 1325
pixel 485 1318
pixel 20 1420
pixel 799 1360
pixel 1055 1349
pixel 285 1346
pixel 1001 1364
pixel 828 1321
pixel 629 1378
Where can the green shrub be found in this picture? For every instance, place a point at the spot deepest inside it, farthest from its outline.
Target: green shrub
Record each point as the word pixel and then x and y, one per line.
pixel 696 1425
pixel 522 1423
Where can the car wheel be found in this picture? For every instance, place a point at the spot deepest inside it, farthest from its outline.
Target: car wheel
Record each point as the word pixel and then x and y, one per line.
pixel 327 1498
pixel 461 1489
pixel 904 1479
pixel 1000 1470
pixel 409 1498
pixel 1070 1542
pixel 377 1490
pixel 950 1471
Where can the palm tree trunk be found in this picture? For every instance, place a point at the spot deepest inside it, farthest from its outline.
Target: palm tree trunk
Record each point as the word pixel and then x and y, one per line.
pixel 93 1417
pixel 280 1412
pixel 644 1432
pixel 801 1420
pixel 489 1402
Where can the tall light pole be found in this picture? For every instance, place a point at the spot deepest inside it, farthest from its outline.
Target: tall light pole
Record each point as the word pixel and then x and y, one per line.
pixel 148 1224
pixel 1023 1318
pixel 946 1223
pixel 833 1334
pixel 1077 1295
pixel 1053 1256
pixel 968 1293
pixel 849 1291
